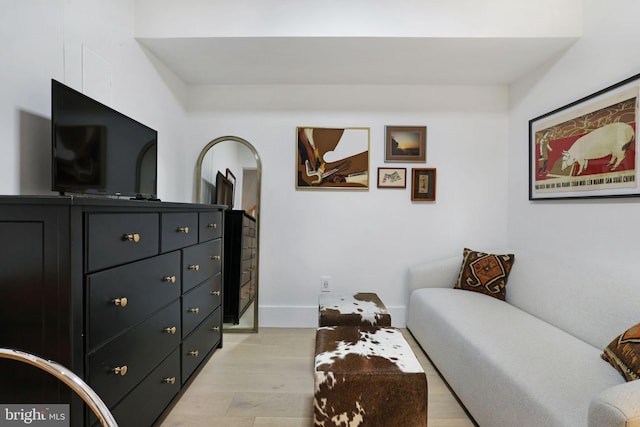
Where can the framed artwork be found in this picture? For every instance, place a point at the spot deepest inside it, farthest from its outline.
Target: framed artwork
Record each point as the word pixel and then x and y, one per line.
pixel 392 177
pixel 587 148
pixel 405 144
pixel 232 179
pixel 224 191
pixel 332 158
pixel 423 184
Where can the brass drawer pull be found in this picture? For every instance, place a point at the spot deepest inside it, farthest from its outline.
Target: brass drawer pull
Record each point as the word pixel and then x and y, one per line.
pixel 169 380
pixel 194 310
pixel 120 302
pixel 212 225
pixel 215 257
pixel 216 329
pixel 172 330
pixel 120 370
pixel 194 353
pixel 169 279
pixel 184 230
pixel 215 293
pixel 194 267
pixel 135 237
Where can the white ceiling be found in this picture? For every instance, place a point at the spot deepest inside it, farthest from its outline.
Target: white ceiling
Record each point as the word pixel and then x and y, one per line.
pixel 354 60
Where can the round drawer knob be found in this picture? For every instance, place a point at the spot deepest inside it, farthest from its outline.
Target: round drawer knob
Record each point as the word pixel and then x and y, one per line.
pixel 194 267
pixel 215 293
pixel 194 310
pixel 169 380
pixel 194 353
pixel 171 330
pixel 120 370
pixel 169 279
pixel 135 237
pixel 120 302
pixel 184 230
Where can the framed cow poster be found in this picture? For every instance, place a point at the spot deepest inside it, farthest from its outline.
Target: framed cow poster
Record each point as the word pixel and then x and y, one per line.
pixel 587 148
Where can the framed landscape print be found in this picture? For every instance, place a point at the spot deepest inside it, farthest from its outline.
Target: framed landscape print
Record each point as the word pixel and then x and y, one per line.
pixel 405 144
pixel 587 148
pixel 332 158
pixel 423 184
pixel 392 177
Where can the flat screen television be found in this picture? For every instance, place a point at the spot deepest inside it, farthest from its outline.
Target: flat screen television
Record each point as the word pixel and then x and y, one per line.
pixel 97 150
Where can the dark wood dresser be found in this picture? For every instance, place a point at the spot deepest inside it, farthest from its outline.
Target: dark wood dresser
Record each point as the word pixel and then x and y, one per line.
pixel 240 255
pixel 126 293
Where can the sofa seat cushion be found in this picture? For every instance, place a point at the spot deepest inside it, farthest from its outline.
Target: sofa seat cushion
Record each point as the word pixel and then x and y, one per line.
pixel 536 373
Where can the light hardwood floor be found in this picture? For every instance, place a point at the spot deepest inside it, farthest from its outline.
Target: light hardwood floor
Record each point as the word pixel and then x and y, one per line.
pixel 266 380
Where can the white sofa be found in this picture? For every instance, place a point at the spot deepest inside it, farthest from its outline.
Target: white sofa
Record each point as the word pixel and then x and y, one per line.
pixel 534 359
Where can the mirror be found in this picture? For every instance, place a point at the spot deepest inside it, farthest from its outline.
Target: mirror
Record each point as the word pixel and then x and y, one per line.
pixel 228 171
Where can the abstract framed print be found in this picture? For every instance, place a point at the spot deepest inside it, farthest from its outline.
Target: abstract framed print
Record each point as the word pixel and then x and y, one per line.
pixel 332 158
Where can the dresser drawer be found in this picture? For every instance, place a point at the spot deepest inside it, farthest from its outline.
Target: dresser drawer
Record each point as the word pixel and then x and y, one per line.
pixel 178 230
pixel 199 302
pixel 140 350
pixel 210 225
pixel 200 262
pixel 196 347
pixel 145 285
pixel 117 238
pixel 147 401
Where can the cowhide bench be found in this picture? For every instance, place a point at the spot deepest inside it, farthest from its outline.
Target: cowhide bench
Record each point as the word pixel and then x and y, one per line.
pixel 361 309
pixel 367 377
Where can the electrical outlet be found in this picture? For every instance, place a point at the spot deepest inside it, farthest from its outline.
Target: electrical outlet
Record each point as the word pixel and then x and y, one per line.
pixel 325 284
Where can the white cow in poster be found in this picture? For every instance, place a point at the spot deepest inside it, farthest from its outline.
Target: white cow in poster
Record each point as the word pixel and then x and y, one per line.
pixel 613 139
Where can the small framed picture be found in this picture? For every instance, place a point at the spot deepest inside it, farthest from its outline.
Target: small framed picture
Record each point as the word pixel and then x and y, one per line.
pixel 405 144
pixel 392 177
pixel 423 184
pixel 232 179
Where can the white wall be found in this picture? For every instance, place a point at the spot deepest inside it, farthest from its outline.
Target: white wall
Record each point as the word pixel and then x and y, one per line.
pixel 604 231
pixel 31 55
pixel 88 45
pixel 365 240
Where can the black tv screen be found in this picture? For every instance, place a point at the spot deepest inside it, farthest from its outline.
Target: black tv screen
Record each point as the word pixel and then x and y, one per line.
pixel 97 150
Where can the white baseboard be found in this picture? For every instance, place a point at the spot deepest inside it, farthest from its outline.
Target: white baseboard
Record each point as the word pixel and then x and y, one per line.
pixel 271 316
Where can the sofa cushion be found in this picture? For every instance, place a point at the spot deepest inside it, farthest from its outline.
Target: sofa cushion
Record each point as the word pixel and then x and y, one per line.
pixel 484 273
pixel 623 353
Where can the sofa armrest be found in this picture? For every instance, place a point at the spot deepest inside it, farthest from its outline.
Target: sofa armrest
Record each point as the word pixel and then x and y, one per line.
pixel 617 406
pixel 442 273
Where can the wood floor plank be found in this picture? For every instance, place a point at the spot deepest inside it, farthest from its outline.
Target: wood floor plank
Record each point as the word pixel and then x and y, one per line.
pixel 266 380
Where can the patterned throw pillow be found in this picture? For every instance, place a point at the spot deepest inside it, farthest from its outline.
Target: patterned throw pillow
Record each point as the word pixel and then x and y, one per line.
pixel 485 273
pixel 623 353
